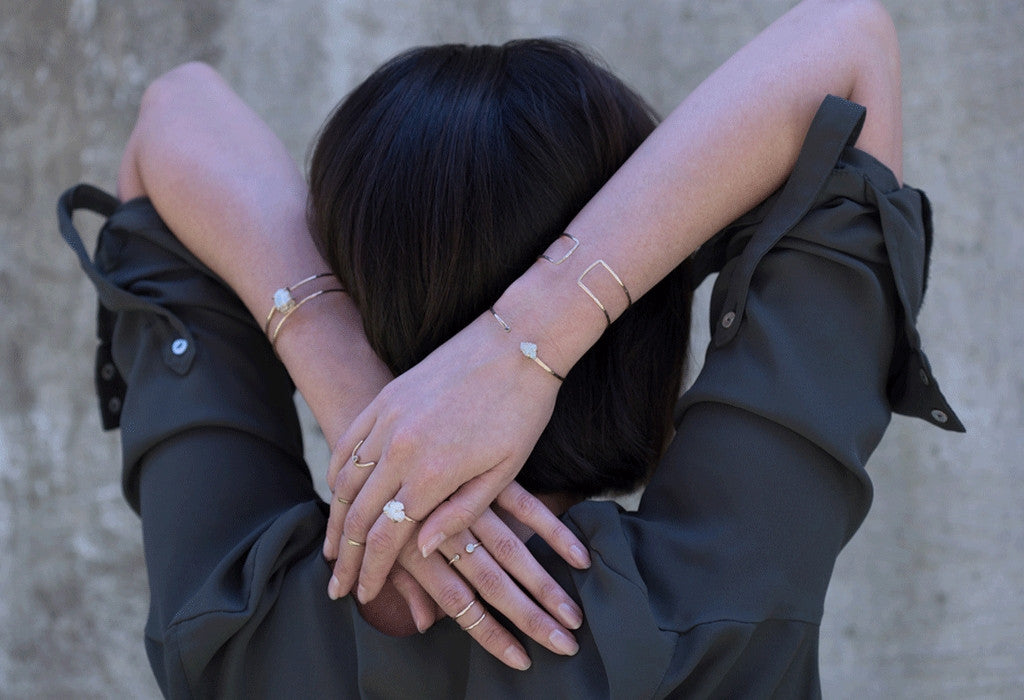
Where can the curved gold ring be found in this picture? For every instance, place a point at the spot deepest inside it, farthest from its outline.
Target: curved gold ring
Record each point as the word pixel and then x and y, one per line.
pixel 354 543
pixel 454 559
pixel 465 610
pixel 355 457
pixel 344 501
pixel 467 628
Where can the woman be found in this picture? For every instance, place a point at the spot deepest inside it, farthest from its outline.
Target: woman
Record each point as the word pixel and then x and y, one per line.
pixel 714 586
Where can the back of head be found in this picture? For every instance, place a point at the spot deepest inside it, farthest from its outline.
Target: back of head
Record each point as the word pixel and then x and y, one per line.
pixel 440 179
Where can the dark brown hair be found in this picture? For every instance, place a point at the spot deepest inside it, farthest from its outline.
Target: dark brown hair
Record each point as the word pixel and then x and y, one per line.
pixel 442 177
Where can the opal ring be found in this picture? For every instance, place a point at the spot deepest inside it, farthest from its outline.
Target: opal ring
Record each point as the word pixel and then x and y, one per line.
pixel 395 510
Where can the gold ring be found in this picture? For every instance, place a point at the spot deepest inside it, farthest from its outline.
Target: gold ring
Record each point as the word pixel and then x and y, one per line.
pixel 467 628
pixel 354 543
pixel 464 610
pixel 355 457
pixel 344 501
pixel 455 558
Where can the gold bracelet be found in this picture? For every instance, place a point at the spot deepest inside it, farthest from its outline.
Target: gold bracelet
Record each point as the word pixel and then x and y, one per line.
pixel 585 288
pixel 530 350
pixel 295 306
pixel 284 303
pixel 575 245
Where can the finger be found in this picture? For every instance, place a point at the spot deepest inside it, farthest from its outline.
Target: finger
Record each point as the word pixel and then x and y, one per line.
pixel 459 602
pixel 461 510
pixel 494 585
pixel 346 482
pixel 395 525
pixel 342 449
pixel 421 605
pixel 360 519
pixel 527 509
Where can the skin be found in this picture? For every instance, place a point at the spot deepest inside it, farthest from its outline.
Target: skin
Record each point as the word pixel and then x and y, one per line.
pixel 439 433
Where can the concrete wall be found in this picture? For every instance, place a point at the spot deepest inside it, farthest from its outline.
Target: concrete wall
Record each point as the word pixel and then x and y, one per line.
pixel 925 601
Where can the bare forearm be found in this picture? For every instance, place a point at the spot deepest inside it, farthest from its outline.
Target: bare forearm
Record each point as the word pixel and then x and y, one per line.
pixel 229 190
pixel 724 149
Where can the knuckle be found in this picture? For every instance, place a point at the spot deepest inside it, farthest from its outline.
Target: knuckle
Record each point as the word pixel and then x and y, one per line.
pixel 536 625
pixel 506 549
pixel 550 592
pixel 489 583
pixel 525 505
pixel 452 597
pixel 380 539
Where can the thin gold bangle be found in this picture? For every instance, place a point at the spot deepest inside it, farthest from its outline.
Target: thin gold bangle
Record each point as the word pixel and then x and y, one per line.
pixel 283 300
pixel 585 288
pixel 575 245
pixel 314 295
pixel 529 350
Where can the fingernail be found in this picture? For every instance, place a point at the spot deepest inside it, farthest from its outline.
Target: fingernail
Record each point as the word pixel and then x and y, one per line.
pixel 327 549
pixel 563 642
pixel 332 588
pixel 421 624
pixel 570 616
pixel 430 546
pixel 580 556
pixel 517 658
pixel 361 593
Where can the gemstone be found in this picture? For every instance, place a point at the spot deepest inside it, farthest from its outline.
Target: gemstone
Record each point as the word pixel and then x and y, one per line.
pixel 529 349
pixel 395 510
pixel 283 301
pixel 471 547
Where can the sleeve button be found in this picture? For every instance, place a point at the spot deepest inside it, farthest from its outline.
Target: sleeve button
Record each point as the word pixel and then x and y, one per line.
pixel 939 416
pixel 107 371
pixel 179 346
pixel 728 318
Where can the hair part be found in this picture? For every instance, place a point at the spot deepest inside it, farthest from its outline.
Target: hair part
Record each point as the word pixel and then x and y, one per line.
pixel 440 179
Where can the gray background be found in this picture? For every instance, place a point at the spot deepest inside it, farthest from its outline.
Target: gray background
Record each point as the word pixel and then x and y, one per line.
pixel 925 601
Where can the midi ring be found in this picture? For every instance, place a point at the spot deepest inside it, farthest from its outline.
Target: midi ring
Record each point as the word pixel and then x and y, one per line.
pixel 395 510
pixel 473 546
pixel 344 501
pixel 355 457
pixel 354 543
pixel 465 610
pixel 454 559
pixel 467 628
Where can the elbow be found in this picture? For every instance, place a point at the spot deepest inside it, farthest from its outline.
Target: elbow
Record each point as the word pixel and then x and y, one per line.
pixel 168 89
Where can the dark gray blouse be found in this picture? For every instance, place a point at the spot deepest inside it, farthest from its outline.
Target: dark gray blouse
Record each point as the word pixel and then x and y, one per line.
pixel 713 588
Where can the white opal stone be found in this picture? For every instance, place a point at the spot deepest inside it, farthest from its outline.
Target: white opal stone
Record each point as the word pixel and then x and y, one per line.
pixel 282 298
pixel 395 510
pixel 529 349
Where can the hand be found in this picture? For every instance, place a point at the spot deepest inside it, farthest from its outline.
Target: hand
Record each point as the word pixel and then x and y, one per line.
pixel 458 426
pixel 488 557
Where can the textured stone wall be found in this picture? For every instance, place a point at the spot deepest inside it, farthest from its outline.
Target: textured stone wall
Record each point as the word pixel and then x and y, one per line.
pixel 925 600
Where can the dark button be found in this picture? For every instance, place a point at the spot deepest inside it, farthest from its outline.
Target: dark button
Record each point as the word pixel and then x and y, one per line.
pixel 114 404
pixel 108 371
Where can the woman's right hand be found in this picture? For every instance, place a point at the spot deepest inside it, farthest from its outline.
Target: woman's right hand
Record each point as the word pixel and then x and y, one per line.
pixel 483 565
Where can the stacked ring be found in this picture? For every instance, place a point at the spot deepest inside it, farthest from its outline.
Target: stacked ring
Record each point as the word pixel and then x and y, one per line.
pixel 395 510
pixel 355 457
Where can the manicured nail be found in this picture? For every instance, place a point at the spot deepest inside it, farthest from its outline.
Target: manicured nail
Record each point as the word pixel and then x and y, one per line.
pixel 333 588
pixel 430 546
pixel 580 556
pixel 563 642
pixel 571 617
pixel 517 658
